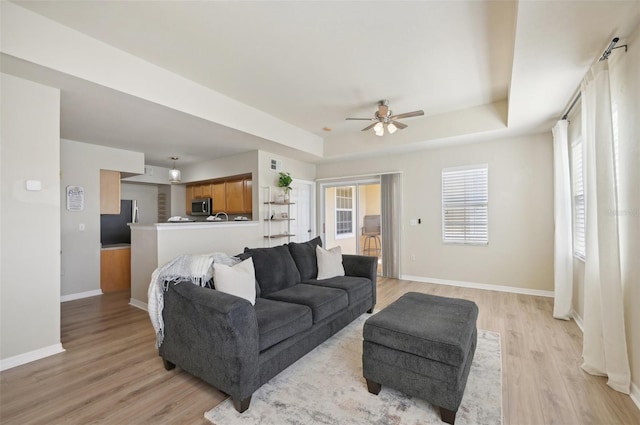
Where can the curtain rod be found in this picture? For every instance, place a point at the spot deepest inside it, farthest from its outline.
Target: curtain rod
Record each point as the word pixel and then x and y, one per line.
pixel 605 56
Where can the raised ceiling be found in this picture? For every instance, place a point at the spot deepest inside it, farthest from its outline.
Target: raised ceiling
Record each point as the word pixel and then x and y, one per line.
pixel 477 68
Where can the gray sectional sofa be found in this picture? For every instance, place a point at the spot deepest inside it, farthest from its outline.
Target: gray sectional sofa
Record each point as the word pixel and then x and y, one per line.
pixel 236 346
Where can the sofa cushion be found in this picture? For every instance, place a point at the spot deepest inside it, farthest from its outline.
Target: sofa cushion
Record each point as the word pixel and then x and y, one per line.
pixel 358 288
pixel 278 321
pixel 304 255
pixel 275 268
pixel 323 301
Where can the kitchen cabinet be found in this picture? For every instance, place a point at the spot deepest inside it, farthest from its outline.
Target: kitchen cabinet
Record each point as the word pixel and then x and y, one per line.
pixel 219 197
pixel 115 268
pixel 235 197
pixel 189 197
pixel 248 195
pixel 109 192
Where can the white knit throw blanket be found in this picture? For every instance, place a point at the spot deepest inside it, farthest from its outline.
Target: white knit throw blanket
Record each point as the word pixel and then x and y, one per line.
pixel 194 268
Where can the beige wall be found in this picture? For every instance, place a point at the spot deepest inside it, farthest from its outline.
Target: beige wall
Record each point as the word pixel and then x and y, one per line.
pixel 29 220
pixel 80 165
pixel 520 250
pixel 146 196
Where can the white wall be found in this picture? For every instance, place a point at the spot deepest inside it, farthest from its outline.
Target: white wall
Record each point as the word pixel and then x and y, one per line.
pixel 146 196
pixel 519 253
pixel 80 165
pixel 29 221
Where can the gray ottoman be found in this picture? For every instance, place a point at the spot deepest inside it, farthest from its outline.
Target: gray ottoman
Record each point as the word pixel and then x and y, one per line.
pixel 422 345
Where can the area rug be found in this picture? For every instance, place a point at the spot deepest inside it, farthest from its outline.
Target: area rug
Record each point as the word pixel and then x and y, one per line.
pixel 326 387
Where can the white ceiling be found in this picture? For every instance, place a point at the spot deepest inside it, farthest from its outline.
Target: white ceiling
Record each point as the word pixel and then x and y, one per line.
pixel 476 68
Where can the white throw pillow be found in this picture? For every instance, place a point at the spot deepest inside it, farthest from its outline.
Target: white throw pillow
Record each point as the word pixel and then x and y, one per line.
pixel 239 280
pixel 329 262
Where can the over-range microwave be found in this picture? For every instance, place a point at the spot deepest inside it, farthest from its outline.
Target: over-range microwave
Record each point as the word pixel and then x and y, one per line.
pixel 201 206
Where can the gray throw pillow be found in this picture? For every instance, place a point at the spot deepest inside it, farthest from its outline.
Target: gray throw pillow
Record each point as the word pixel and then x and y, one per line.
pixel 304 255
pixel 275 268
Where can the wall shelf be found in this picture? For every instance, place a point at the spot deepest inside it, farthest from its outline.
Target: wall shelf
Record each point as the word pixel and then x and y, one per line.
pixel 274 220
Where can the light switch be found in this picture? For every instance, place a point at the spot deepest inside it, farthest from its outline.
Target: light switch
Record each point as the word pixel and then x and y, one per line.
pixel 81 227
pixel 34 185
pixel 413 222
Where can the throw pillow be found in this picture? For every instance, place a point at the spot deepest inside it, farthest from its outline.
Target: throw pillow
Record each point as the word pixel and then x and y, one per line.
pixel 275 268
pixel 304 255
pixel 238 280
pixel 329 262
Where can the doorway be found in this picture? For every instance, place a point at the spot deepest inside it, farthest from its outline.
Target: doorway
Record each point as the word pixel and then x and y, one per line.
pixel 351 217
pixel 303 195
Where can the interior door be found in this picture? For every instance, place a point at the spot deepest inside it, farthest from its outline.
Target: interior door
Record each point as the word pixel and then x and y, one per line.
pixel 302 212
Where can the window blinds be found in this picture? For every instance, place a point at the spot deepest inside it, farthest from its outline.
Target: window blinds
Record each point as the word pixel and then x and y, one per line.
pixel 579 211
pixel 465 199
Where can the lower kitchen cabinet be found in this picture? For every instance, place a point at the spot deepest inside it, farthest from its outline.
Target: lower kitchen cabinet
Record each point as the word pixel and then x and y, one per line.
pixel 115 268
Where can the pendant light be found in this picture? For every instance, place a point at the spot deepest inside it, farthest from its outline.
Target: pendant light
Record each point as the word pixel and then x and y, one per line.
pixel 174 173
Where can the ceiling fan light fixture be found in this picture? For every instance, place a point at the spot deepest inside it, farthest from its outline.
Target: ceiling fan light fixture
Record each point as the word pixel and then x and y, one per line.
pixel 379 132
pixel 391 128
pixel 378 128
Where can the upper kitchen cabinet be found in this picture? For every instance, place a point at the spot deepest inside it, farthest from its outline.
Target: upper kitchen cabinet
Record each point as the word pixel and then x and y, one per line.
pixel 232 195
pixel 219 193
pixel 109 192
pixel 248 195
pixel 235 197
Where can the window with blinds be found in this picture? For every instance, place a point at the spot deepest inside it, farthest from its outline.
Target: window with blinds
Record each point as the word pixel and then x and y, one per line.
pixel 345 225
pixel 579 207
pixel 465 203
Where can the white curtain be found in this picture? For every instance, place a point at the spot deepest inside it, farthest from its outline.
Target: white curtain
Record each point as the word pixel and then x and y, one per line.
pixel 563 248
pixel 605 347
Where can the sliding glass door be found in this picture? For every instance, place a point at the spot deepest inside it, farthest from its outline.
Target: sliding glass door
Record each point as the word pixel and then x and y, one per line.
pixel 351 217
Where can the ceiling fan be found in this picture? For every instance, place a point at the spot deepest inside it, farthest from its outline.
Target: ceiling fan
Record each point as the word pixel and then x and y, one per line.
pixel 384 118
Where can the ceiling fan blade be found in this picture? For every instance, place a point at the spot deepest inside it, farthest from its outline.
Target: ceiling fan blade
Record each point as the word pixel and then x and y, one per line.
pixel 407 115
pixel 399 124
pixel 369 127
pixel 364 119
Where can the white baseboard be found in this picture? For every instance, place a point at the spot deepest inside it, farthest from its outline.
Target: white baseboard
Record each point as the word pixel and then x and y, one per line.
pixel 79 295
pixel 30 356
pixel 501 288
pixel 635 394
pixel 576 318
pixel 138 304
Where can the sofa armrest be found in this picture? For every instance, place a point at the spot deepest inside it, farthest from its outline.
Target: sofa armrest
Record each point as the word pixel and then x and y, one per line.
pixel 362 266
pixel 213 336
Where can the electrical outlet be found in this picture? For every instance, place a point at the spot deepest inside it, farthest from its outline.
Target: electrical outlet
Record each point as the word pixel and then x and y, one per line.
pixel 413 257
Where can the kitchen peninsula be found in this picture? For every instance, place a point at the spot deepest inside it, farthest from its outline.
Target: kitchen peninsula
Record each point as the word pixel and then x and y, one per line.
pixel 155 244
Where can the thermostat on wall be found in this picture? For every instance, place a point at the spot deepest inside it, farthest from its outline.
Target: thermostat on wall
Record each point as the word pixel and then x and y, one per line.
pixel 34 185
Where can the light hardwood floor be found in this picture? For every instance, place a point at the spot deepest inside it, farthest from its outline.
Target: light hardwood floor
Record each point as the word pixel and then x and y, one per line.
pixel 111 373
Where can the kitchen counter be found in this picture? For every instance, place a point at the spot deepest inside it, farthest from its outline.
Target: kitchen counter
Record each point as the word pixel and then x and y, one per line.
pixel 153 245
pixel 116 246
pixel 172 225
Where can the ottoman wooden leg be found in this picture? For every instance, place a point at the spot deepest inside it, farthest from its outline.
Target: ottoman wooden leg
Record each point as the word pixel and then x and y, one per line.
pixel 447 415
pixel 373 387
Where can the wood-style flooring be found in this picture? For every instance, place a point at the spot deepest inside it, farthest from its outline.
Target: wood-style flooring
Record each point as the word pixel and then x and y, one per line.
pixel 111 373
